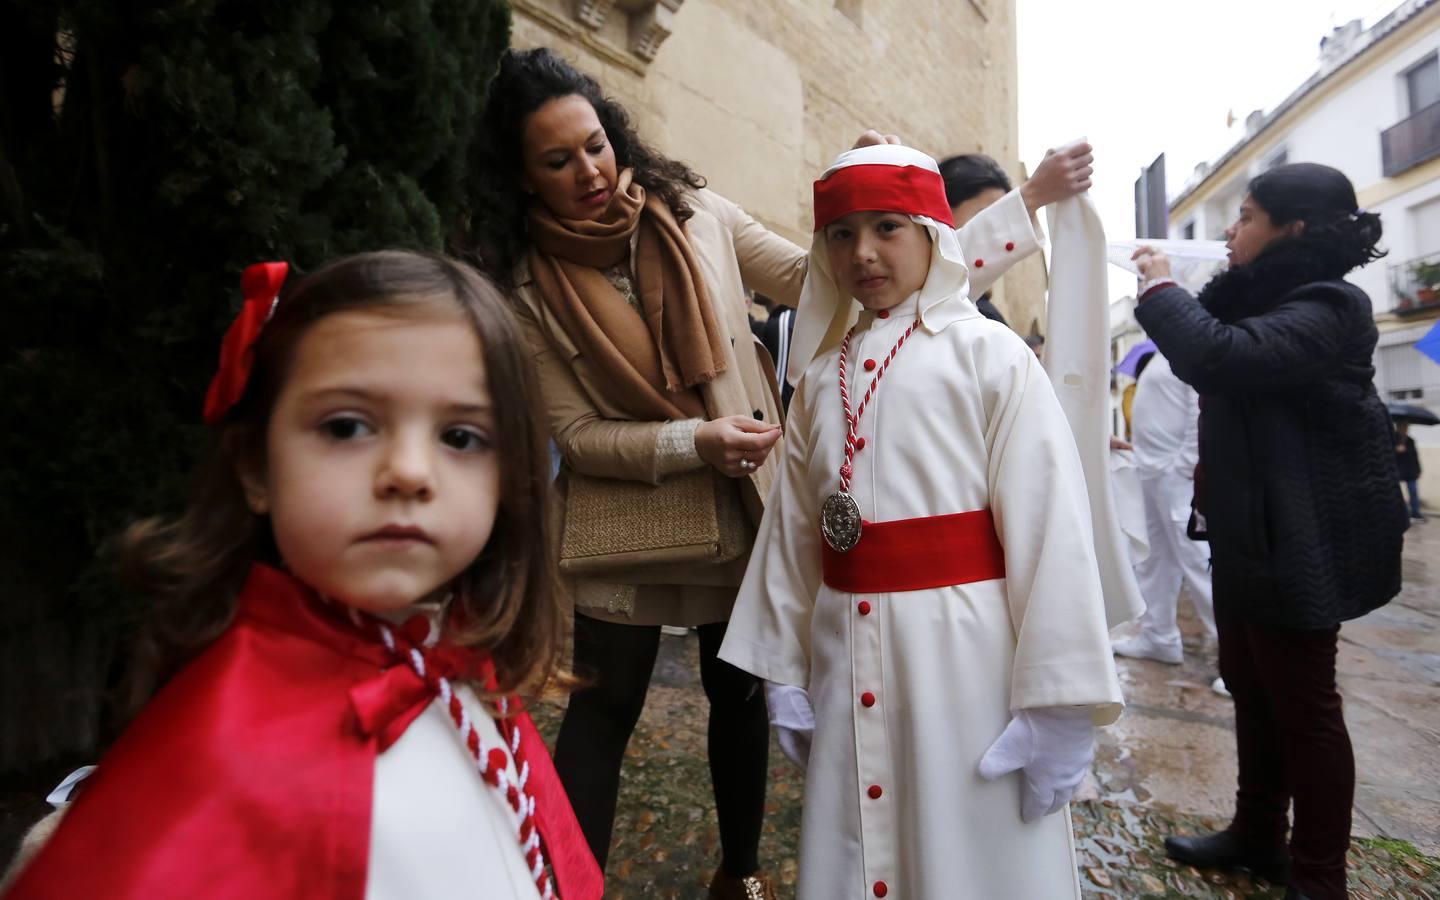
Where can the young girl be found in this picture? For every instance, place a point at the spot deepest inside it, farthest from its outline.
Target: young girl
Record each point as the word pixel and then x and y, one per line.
pixel 355 598
pixel 925 568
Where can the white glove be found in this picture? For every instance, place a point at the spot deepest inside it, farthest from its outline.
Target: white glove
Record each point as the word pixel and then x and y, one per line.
pixel 1053 747
pixel 793 720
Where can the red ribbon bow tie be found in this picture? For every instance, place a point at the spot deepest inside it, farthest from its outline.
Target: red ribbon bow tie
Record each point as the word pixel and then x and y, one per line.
pixel 387 704
pixel 260 286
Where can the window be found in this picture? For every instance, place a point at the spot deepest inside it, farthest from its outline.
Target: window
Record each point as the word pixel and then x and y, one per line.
pixel 1422 84
pixel 1189 231
pixel 1278 158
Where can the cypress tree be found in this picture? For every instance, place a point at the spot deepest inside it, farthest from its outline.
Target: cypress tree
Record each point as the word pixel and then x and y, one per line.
pixel 149 151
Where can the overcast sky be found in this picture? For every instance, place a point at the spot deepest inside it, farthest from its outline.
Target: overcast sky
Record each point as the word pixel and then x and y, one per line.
pixel 1140 77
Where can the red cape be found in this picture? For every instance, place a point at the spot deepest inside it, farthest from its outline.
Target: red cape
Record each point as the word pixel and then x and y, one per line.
pixel 250 774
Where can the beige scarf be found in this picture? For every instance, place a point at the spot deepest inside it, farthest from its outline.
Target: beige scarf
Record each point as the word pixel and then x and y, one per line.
pixel 652 363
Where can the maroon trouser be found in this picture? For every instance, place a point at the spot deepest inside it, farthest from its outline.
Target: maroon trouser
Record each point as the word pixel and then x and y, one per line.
pixel 1293 746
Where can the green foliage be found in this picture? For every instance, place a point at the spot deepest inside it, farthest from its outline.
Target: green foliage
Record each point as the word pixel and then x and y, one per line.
pixel 149 151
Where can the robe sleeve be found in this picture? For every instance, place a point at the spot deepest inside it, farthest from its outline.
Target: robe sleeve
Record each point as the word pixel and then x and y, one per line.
pixel 1042 516
pixel 769 630
pixel 997 238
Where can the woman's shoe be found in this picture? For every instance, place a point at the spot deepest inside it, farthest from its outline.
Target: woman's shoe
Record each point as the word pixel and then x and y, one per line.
pixel 756 886
pixel 1294 894
pixel 1222 850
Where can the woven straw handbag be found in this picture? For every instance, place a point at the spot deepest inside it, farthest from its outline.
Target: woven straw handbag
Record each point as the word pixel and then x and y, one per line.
pixel 612 525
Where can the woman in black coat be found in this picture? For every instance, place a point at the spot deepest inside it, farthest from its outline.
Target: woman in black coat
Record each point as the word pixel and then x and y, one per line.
pixel 1298 493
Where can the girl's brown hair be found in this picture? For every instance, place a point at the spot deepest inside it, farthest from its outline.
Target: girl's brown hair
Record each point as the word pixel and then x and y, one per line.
pixel 195 566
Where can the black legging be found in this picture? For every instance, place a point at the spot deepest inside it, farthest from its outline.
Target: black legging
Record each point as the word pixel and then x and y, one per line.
pixel 599 720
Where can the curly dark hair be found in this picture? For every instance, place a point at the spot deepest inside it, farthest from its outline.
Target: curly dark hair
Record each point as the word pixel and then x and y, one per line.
pixel 1324 199
pixel 527 80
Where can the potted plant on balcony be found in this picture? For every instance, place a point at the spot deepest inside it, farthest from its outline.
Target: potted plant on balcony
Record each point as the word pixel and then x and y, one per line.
pixel 1427 279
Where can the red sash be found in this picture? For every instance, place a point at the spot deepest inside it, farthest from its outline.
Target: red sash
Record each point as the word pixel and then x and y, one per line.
pixel 916 554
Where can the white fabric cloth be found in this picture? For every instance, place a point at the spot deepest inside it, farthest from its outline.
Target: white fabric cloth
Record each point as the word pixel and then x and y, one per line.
pixel 436 828
pixel 1052 748
pixel 1129 505
pixel 964 419
pixel 1077 357
pixel 1165 422
pixel 824 316
pixel 793 719
pixel 1192 263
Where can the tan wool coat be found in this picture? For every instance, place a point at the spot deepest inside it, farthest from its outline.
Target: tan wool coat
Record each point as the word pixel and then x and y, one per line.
pixel 595 437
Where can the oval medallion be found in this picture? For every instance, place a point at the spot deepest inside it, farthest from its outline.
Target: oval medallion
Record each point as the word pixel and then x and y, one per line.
pixel 840 522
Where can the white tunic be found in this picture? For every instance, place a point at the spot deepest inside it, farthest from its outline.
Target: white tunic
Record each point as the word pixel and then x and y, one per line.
pixel 963 420
pixel 437 830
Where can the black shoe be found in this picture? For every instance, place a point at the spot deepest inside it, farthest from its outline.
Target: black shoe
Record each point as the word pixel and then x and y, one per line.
pixel 1222 850
pixel 1294 894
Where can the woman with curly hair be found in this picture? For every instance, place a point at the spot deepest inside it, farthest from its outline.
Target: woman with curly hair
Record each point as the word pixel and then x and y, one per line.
pixel 1298 494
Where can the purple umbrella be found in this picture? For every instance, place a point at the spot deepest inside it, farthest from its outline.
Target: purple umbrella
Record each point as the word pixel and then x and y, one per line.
pixel 1132 359
pixel 1430 344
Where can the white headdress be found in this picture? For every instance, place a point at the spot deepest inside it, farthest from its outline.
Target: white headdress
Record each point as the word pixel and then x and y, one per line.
pixel 883 177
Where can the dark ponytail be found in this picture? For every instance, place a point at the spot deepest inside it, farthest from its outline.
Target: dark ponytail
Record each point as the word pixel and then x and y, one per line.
pixel 1336 229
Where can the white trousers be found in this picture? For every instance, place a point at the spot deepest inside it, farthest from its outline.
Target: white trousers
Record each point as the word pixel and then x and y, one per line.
pixel 1174 560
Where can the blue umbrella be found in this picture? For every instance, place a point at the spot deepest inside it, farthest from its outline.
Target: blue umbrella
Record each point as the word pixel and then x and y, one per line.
pixel 1132 359
pixel 1430 343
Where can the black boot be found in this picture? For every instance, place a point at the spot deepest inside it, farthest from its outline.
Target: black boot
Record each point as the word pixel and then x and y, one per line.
pixel 1294 894
pixel 1222 850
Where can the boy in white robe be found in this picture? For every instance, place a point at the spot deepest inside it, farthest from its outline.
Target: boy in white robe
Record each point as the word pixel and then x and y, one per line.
pixel 954 645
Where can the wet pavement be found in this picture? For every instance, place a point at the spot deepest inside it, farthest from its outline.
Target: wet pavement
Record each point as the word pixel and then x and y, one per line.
pixel 1167 767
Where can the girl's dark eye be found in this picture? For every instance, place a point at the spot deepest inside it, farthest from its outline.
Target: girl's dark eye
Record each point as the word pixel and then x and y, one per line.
pixel 467 439
pixel 345 428
pixel 597 149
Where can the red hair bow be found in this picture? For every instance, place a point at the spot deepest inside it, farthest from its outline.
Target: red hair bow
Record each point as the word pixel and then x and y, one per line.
pixel 261 287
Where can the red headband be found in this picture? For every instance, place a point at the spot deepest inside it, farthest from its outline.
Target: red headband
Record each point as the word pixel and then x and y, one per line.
pixel 260 286
pixel 905 189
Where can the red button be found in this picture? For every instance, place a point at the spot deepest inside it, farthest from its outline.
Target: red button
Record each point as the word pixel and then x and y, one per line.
pixel 880 889
pixel 869 365
pixel 883 314
pixel 859 443
pixel 1009 245
pixel 979 263
pixel 864 607
pixel 875 792
pixel 867 699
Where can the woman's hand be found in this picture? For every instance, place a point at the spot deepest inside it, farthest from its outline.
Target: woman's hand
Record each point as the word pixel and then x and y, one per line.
pixel 1064 173
pixel 736 445
pixel 1152 263
pixel 872 137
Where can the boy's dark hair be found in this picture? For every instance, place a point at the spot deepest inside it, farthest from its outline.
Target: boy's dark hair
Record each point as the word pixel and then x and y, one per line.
pixel 1324 199
pixel 528 79
pixel 194 567
pixel 970 173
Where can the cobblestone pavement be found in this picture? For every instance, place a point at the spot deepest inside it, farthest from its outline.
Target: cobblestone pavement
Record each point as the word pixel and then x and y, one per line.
pixel 1167 767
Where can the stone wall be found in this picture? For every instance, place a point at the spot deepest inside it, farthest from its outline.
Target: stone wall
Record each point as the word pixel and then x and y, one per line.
pixel 759 95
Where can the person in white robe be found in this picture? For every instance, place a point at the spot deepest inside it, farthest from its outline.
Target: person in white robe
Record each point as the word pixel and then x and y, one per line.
pixel 957 655
pixel 1166 426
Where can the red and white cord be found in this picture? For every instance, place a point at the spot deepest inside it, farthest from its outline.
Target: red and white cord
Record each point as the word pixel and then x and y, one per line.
pixel 491 762
pixel 852 422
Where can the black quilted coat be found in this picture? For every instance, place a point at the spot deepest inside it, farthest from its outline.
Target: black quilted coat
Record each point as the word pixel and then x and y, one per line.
pixel 1298 487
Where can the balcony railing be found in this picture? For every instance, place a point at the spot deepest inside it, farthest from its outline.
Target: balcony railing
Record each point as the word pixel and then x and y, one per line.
pixel 1416 283
pixel 1411 142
